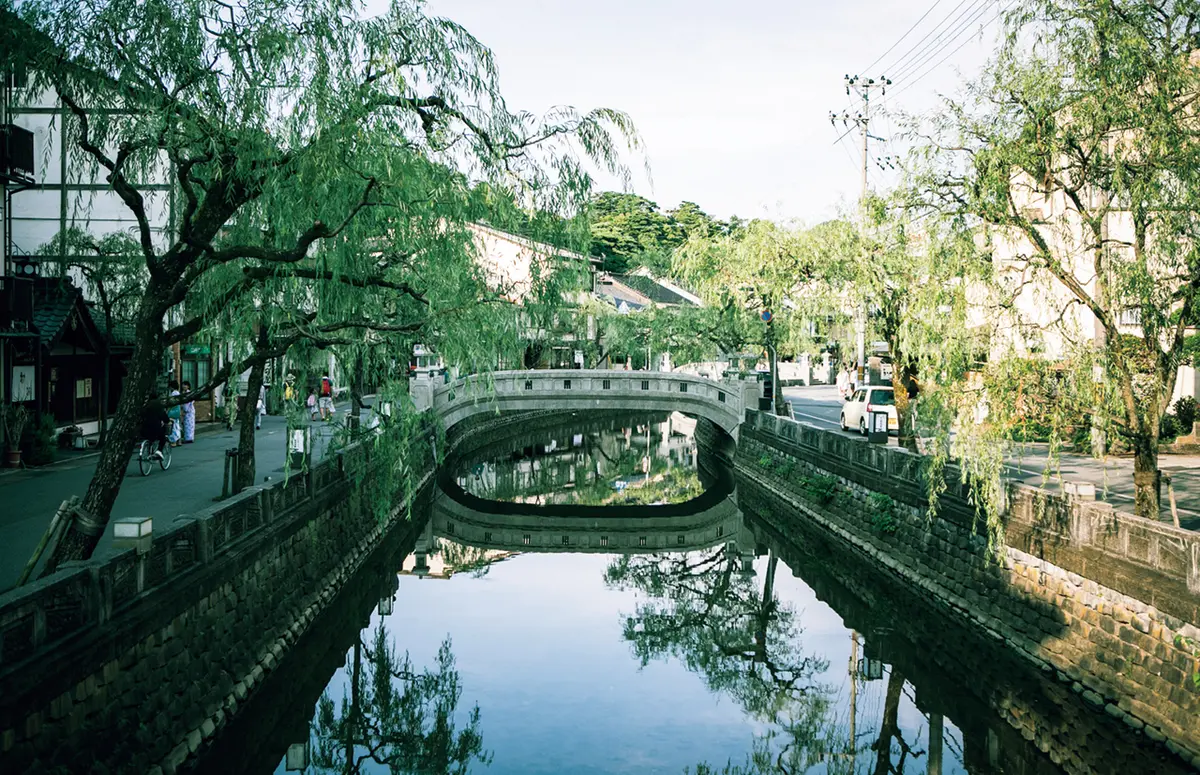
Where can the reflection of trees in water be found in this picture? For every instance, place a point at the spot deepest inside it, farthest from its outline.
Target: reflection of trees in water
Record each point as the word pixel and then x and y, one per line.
pixel 573 475
pixel 704 612
pixel 396 716
pixel 740 639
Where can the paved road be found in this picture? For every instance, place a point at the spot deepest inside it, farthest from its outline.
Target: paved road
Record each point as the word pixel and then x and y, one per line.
pixel 1113 477
pixel 29 498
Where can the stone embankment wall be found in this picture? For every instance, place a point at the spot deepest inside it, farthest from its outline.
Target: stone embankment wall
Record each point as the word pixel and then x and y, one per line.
pixel 133 663
pixel 1011 717
pixel 1131 649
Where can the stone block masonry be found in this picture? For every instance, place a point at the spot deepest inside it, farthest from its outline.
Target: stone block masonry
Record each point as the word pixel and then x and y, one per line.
pixel 132 664
pixel 1126 642
pixel 1010 715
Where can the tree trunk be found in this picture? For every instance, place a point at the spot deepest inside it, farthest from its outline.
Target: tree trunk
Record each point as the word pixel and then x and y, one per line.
pixel 356 390
pixel 245 474
pixel 80 540
pixel 766 610
pixel 1145 478
pixel 905 432
pixel 890 727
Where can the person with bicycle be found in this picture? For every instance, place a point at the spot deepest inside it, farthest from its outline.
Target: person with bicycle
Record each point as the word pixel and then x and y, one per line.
pixel 154 424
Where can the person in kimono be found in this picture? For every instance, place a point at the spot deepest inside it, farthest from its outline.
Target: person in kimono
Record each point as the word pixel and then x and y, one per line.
pixel 189 417
pixel 174 413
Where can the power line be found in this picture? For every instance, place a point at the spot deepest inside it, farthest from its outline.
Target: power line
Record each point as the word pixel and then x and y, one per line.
pixel 944 39
pixel 899 62
pixel 902 37
pixel 909 84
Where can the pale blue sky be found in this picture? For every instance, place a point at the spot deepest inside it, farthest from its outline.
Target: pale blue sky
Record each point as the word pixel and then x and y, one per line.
pixel 731 98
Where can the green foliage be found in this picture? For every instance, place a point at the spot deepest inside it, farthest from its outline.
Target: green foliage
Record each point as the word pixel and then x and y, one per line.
pixel 43 441
pixel 1185 413
pixel 765 461
pixel 327 165
pixel 1168 428
pixel 1074 135
pixel 883 515
pixel 397 716
pixel 823 490
pixel 698 608
pixel 629 231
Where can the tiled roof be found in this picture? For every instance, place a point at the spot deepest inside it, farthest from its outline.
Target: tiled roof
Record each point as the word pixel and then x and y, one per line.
pixel 53 300
pixel 122 333
pixel 651 289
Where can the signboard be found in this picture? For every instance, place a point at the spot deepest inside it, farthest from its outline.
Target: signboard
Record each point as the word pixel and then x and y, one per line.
pixel 885 371
pixel 766 316
pixel 22 384
pixel 196 349
pixel 83 388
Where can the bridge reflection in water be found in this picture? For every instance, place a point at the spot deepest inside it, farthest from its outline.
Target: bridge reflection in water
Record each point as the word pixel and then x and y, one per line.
pixel 757 642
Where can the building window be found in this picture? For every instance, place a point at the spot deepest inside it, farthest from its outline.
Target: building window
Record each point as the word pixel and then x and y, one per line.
pixel 195 372
pixel 604 540
pixel 566 384
pixel 566 540
pixel 529 384
pixel 450 528
pixel 607 384
pixel 682 387
pixel 679 540
pixel 641 540
pixel 525 539
pixel 721 396
pixel 720 531
pixel 645 384
pixel 487 536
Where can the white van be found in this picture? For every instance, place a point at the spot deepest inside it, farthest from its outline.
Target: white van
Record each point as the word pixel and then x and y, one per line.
pixel 855 413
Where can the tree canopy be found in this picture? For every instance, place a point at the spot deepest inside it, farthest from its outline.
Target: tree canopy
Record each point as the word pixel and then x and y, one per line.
pixel 323 161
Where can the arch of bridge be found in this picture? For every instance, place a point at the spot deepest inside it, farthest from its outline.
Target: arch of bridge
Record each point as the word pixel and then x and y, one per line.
pixel 723 403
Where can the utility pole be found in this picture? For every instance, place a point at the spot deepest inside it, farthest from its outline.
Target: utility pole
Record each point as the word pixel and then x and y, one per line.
pixel 862 88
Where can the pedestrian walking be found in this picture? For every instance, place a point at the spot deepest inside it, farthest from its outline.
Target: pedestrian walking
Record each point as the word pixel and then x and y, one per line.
pixel 173 414
pixel 312 404
pixel 843 382
pixel 326 400
pixel 189 417
pixel 260 408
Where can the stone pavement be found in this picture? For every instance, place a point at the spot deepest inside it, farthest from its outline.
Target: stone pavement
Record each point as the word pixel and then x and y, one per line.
pixel 1112 477
pixel 29 497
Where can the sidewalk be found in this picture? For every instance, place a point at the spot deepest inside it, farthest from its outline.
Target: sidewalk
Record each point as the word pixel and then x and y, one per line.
pixel 31 496
pixel 1112 476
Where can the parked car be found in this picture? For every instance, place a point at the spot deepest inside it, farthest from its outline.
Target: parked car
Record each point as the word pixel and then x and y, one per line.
pixel 855 413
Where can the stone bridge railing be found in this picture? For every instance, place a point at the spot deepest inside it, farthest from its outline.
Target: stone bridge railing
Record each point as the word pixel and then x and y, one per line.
pixel 722 402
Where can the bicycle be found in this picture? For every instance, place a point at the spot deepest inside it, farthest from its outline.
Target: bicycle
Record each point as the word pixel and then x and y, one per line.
pixel 146 457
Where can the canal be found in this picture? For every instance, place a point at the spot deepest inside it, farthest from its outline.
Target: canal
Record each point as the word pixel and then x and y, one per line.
pixel 600 593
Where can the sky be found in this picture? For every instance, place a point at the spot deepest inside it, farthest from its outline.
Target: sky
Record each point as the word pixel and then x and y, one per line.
pixel 733 99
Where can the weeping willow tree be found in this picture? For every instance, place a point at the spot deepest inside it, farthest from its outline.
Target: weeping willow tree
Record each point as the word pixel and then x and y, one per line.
pixel 1076 155
pixel 280 126
pixel 701 609
pixel 396 716
pixel 754 269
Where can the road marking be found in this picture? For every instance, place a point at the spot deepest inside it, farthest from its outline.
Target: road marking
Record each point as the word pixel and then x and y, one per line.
pixel 814 417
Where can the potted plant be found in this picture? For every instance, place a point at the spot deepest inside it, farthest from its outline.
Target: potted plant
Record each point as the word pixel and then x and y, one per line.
pixel 14 417
pixel 43 441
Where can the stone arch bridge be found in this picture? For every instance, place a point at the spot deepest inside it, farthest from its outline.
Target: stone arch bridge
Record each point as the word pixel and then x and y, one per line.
pixel 723 403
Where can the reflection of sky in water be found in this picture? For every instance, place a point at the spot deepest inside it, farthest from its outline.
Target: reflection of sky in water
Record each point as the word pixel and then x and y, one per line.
pixel 646 460
pixel 539 648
